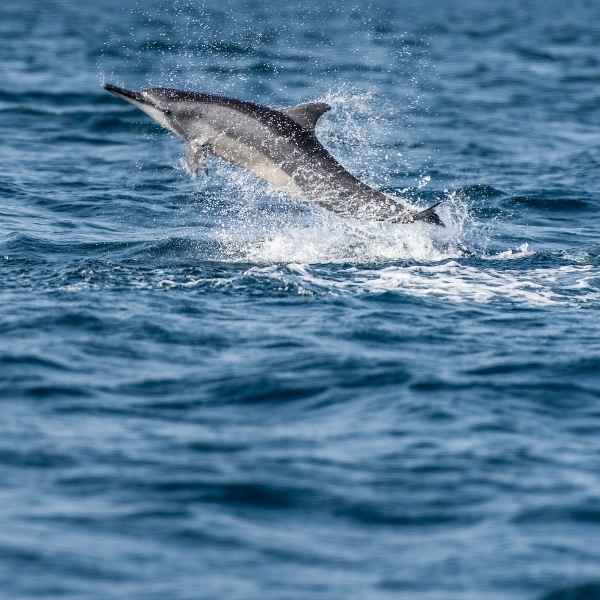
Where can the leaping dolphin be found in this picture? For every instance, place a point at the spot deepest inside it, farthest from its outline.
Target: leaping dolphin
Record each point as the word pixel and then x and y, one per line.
pixel 279 146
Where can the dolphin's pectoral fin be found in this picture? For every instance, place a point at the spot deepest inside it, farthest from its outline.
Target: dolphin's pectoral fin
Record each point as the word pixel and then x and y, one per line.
pixel 196 155
pixel 307 115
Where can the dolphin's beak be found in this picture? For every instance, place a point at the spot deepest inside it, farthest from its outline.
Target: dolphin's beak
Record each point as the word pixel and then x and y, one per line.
pixel 123 93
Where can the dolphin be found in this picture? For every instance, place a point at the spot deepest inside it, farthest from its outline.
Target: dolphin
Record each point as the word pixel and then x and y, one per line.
pixel 277 145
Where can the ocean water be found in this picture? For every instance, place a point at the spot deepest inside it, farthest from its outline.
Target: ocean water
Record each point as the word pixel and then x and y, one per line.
pixel 212 391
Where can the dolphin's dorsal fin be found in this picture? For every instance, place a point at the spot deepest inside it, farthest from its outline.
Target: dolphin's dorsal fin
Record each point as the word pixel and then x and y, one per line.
pixel 307 115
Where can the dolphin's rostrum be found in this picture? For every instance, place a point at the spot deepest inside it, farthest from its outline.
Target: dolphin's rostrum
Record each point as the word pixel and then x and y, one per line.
pixel 279 146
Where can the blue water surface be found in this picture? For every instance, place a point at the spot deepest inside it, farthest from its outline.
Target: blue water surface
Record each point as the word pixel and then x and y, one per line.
pixel 210 390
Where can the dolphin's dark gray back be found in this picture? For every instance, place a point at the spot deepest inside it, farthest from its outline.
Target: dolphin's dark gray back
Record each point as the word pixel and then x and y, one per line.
pixel 279 146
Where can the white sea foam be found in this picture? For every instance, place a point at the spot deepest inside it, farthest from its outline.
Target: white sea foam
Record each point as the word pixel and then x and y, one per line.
pixel 337 256
pixel 258 233
pixel 449 281
pixel 522 251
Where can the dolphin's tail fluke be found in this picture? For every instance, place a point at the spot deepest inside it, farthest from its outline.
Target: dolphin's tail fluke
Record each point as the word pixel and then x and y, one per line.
pixel 430 216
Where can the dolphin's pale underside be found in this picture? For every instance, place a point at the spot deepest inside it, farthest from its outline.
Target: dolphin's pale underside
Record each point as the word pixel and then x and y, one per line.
pixel 279 146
